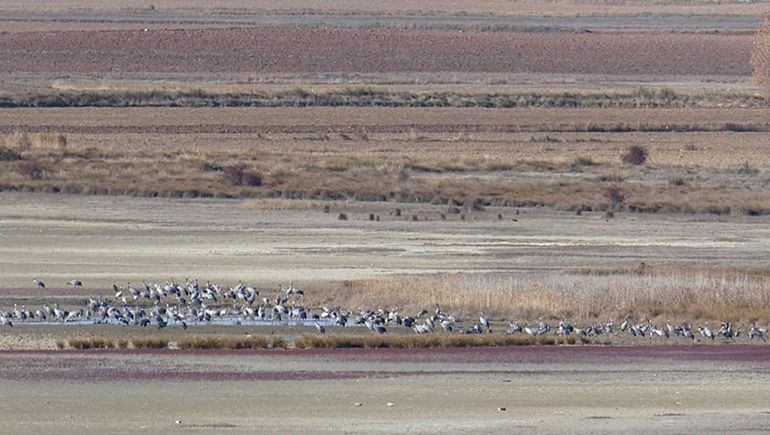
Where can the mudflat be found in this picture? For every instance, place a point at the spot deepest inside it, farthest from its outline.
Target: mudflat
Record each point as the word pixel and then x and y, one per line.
pixel 504 390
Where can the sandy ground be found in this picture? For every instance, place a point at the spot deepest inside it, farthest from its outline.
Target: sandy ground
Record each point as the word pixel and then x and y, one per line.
pixel 547 390
pixel 105 239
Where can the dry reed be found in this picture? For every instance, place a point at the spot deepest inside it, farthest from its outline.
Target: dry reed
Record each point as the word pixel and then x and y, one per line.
pixel 231 342
pixel 86 343
pixel 37 141
pixel 718 295
pixel 150 342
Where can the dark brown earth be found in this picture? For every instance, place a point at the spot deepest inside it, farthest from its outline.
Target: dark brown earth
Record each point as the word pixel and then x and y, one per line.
pixel 194 366
pixel 298 50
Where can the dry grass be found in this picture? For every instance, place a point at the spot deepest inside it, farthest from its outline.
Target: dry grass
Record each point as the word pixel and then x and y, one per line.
pixel 35 141
pixel 149 343
pixel 334 341
pixel 429 161
pixel 721 294
pixel 231 342
pixel 87 343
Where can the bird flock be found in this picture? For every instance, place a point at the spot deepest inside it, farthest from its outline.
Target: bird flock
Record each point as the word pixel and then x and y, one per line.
pixel 179 304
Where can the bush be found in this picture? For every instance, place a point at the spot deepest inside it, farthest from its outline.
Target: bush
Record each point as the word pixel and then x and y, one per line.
pixel 615 194
pixel 635 155
pixel 32 169
pixel 150 343
pixel 584 161
pixel 210 167
pixel 9 155
pixel 678 181
pixel 238 175
pixel 224 342
pixel 91 343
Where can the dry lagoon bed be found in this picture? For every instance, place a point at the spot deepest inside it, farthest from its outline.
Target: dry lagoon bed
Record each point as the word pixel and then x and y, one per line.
pixel 519 390
pixel 102 239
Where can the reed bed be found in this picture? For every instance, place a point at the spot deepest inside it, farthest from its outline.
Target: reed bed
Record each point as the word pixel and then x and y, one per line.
pixel 231 342
pixel 149 343
pixel 85 343
pixel 698 295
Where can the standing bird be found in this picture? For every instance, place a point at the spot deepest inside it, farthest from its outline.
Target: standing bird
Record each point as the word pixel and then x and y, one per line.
pixel 759 333
pixel 38 283
pixel 706 331
pixel 484 322
pixel 320 328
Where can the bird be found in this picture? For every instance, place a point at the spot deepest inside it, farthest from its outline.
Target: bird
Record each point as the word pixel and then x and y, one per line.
pixel 759 333
pixel 75 283
pixel 484 322
pixel 706 332
pixel 320 328
pixel 38 283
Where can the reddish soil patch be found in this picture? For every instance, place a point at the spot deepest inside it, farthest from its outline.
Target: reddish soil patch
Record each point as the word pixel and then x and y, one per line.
pixel 97 366
pixel 296 50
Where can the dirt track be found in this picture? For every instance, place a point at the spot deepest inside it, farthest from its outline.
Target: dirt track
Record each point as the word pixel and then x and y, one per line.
pixel 295 50
pixel 515 390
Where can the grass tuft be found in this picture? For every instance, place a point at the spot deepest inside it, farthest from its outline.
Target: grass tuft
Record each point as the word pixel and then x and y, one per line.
pixel 228 342
pixel 150 342
pixel 87 343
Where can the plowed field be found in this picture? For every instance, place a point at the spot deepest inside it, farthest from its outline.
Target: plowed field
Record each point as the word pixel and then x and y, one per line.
pixel 297 50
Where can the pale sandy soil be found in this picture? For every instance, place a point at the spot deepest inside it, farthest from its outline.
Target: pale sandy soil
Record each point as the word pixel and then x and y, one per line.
pixel 104 239
pixel 598 390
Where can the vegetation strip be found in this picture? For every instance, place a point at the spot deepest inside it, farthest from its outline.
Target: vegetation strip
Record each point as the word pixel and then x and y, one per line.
pixel 336 341
pixel 367 97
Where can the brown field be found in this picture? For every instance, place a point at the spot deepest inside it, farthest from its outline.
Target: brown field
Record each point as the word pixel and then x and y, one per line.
pixel 308 51
pixel 497 7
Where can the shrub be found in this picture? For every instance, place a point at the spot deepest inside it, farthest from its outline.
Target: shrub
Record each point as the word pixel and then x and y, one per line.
pixel 634 155
pixel 584 161
pixel 150 343
pixel 32 169
pixel 9 155
pixel 403 174
pixel 278 342
pixel 615 194
pixel 252 179
pixel 678 181
pixel 49 141
pixel 746 169
pixel 611 178
pixel 238 175
pixel 91 343
pixel 224 342
pixel 210 167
